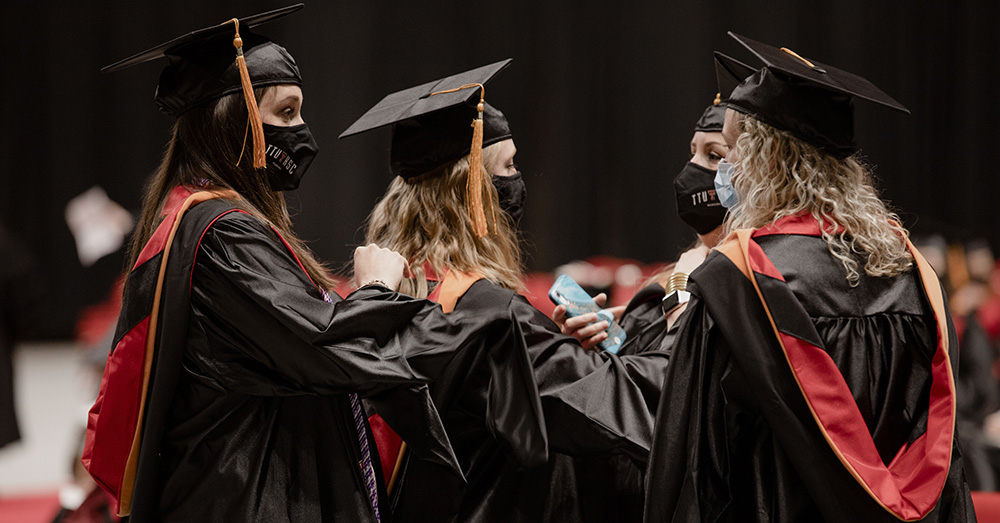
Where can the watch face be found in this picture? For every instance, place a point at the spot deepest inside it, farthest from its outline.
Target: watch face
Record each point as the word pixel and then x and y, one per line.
pixel 674 300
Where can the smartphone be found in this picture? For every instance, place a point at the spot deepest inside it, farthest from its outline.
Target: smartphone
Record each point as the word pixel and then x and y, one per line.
pixel 568 293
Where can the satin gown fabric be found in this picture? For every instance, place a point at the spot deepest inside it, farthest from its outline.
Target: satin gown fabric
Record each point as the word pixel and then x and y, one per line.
pixel 735 440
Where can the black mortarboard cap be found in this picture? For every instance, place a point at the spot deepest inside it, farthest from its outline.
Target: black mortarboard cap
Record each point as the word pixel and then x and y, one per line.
pixel 202 64
pixel 430 129
pixel 712 119
pixel 809 99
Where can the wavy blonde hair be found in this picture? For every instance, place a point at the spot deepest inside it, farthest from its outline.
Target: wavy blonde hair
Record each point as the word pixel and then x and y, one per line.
pixel 778 175
pixel 425 220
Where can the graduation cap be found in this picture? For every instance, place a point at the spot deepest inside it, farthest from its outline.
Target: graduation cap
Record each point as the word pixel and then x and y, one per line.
pixel 439 122
pixel 809 99
pixel 714 116
pixel 219 60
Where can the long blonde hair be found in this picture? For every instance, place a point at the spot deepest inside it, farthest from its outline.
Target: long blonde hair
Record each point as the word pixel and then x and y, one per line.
pixel 425 220
pixel 778 175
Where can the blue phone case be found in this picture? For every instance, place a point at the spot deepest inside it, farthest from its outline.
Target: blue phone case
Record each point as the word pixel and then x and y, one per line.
pixel 568 293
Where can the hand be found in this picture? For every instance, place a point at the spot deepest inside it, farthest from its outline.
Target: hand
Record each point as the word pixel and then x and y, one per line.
pixel 372 262
pixel 583 327
pixel 691 259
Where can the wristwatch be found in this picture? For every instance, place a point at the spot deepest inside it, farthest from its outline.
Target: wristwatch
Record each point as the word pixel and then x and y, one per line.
pixel 677 293
pixel 675 299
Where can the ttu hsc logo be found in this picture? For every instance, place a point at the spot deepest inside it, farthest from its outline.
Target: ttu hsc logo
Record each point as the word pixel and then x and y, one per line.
pixel 706 197
pixel 281 158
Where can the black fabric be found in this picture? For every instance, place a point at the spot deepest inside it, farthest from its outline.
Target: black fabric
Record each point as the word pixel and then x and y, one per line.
pixel 290 151
pixel 811 113
pixel 809 99
pixel 697 203
pixel 137 299
pixel 511 194
pixel 595 404
pixel 202 64
pixel 735 440
pixel 421 145
pixel 248 395
pixel 712 119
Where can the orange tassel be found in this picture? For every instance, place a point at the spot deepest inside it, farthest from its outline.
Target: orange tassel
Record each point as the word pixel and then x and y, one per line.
pixel 474 185
pixel 256 125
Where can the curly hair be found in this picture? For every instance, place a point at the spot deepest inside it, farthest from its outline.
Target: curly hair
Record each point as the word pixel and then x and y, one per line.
pixel 778 175
pixel 425 220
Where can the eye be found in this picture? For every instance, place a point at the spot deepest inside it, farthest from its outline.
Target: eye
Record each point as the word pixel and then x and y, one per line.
pixel 714 157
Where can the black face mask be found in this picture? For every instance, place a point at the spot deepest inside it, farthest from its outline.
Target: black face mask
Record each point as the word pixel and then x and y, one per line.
pixel 697 203
pixel 290 150
pixel 511 193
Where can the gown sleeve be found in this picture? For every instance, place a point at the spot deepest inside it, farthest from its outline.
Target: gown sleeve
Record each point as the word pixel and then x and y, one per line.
pixel 595 403
pixel 270 332
pixel 688 462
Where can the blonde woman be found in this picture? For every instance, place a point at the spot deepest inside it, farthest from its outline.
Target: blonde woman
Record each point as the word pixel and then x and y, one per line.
pixel 811 377
pixel 526 390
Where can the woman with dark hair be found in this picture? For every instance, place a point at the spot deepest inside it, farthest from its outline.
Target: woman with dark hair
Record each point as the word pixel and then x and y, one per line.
pixel 811 377
pixel 525 391
pixel 231 393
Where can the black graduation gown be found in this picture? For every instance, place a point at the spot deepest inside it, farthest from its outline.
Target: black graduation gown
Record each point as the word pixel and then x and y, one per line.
pixel 610 488
pixel 735 437
pixel 257 425
pixel 523 391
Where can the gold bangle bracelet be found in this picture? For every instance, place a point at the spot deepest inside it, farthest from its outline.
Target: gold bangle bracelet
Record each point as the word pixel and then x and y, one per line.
pixel 677 282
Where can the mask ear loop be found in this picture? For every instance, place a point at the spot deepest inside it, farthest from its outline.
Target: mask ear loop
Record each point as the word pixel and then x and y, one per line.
pixel 475 183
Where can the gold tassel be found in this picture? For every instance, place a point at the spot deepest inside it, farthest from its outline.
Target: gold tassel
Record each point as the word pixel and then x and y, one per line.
pixel 256 125
pixel 718 99
pixel 475 184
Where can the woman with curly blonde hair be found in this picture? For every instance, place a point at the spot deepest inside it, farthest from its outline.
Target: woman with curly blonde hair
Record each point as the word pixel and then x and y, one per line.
pixel 525 391
pixel 811 377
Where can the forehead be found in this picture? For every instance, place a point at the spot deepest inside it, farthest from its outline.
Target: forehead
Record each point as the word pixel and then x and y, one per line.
pixel 707 138
pixel 729 128
pixel 283 91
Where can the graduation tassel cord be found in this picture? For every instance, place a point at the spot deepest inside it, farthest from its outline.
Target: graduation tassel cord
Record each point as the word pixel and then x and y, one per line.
pixel 255 123
pixel 796 55
pixel 475 183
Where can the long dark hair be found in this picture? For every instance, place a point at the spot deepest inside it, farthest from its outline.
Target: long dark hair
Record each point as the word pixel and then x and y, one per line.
pixel 205 150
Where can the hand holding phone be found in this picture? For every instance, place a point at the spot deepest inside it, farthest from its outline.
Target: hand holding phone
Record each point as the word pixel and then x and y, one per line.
pixel 577 302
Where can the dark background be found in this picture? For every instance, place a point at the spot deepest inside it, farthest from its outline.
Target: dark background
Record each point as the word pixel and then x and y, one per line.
pixel 602 97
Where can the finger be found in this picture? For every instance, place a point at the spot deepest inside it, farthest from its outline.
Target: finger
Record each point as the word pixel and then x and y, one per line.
pixel 581 321
pixel 592 330
pixel 592 342
pixel 559 314
pixel 600 299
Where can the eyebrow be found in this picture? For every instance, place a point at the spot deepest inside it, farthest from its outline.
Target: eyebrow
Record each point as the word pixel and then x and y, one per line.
pixel 288 99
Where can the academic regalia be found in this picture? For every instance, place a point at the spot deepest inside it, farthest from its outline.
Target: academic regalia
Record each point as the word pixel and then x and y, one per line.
pixel 525 393
pixel 248 415
pixel 231 391
pixel 792 394
pixel 865 420
pixel 609 488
